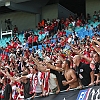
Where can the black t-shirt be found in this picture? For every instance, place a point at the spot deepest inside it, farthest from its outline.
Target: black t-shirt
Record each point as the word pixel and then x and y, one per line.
pixel 6 92
pixel 83 72
pixel 97 68
pixel 60 77
pixel 27 89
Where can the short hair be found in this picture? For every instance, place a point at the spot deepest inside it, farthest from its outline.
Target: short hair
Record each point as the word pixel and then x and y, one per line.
pixel 68 62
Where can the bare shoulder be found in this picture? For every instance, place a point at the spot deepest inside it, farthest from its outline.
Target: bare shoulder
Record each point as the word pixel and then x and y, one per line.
pixel 71 71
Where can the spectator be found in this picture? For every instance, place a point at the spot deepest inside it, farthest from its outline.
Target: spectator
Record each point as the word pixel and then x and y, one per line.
pixel 53 82
pixel 6 90
pixel 30 41
pixel 96 59
pixel 60 76
pixel 26 85
pixel 84 72
pixel 70 76
pixel 15 30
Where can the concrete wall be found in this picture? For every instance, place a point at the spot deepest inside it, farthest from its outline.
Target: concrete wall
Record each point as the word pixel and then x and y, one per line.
pixel 63 12
pixel 92 5
pixel 50 11
pixel 22 19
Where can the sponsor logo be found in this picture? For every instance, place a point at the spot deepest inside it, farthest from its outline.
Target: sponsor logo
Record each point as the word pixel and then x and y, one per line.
pixel 82 94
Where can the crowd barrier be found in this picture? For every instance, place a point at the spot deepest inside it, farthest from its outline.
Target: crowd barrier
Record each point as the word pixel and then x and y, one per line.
pixel 86 93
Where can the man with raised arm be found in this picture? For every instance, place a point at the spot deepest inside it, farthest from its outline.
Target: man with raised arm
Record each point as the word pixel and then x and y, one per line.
pixel 84 72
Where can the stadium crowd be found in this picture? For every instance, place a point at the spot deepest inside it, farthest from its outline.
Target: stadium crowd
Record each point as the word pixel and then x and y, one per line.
pixel 65 61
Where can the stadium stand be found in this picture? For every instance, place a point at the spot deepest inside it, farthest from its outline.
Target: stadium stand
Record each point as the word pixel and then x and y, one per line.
pixel 50 59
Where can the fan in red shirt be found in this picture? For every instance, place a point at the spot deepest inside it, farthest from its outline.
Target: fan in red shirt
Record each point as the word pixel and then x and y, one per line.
pixel 41 32
pixel 12 44
pixel 46 28
pixel 58 33
pixel 8 48
pixel 63 32
pixel 52 26
pixel 48 49
pixel 55 22
pixel 30 38
pixel 78 23
pixel 66 23
pixel 35 40
pixel 49 28
pixel 52 44
pixel 57 48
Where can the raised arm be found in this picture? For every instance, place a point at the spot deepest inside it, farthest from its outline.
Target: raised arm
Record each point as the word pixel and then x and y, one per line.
pixel 86 58
pixel 54 67
pixel 97 49
pixel 96 41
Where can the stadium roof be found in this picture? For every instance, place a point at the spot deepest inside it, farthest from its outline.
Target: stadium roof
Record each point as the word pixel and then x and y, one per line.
pixel 69 4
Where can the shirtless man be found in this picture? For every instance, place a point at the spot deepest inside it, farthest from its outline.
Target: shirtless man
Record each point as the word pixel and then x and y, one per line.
pixel 70 76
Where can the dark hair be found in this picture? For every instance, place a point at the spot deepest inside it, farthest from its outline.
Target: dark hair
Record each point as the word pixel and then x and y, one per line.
pixel 68 62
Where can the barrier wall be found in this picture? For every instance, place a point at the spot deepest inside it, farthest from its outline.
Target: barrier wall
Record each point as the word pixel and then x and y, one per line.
pixel 89 93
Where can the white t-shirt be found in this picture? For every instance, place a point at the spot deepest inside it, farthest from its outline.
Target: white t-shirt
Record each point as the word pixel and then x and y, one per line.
pixel 52 82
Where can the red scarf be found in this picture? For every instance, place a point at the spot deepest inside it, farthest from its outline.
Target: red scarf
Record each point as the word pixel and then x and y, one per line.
pixel 46 84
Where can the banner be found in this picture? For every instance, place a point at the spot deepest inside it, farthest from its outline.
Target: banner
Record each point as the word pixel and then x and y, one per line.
pixel 91 93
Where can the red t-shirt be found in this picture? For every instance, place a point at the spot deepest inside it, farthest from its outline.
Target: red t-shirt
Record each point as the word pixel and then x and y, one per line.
pixel 66 23
pixel 78 23
pixel 35 39
pixel 41 32
pixel 48 49
pixel 30 39
pixel 15 45
pixel 52 45
pixel 52 26
pixel 12 44
pixel 55 23
pixel 46 28
pixel 49 28
pixel 63 43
